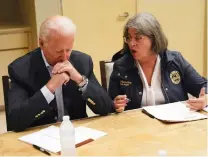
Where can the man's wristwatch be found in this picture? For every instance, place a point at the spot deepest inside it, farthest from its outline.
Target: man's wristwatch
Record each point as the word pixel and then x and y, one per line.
pixel 84 81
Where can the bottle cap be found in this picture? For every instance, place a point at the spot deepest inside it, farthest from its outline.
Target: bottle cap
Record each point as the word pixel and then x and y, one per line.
pixel 162 153
pixel 66 118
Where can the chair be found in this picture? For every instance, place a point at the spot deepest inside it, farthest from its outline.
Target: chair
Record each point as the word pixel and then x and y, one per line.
pixel 6 86
pixel 106 68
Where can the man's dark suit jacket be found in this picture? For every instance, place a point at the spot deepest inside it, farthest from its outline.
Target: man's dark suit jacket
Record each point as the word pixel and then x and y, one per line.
pixel 27 105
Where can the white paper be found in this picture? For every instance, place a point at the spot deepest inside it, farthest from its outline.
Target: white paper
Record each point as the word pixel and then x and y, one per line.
pixel 174 112
pixel 46 138
pixel 49 138
pixel 206 109
pixel 87 132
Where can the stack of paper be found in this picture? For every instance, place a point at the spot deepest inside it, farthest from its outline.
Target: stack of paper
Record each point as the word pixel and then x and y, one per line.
pixel 173 112
pixel 49 138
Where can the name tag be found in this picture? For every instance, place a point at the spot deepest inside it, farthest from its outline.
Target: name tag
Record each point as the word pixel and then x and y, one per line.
pixel 125 83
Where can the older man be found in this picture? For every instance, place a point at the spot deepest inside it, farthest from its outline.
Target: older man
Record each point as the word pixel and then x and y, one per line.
pixel 53 80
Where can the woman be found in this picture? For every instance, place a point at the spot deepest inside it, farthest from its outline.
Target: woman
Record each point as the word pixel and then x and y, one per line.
pixel 149 74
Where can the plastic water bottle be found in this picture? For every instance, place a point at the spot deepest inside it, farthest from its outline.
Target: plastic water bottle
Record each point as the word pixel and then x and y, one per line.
pixel 162 153
pixel 67 137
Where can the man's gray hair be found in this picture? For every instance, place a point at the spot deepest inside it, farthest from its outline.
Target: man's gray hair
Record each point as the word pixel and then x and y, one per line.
pixel 60 24
pixel 146 24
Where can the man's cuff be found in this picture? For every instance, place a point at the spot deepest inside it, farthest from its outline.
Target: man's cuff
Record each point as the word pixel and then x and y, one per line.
pixel 47 94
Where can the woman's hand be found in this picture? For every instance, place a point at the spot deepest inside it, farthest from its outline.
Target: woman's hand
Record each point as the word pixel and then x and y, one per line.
pixel 120 103
pixel 198 103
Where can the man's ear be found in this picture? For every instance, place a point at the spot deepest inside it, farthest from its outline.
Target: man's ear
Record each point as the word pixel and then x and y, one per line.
pixel 41 43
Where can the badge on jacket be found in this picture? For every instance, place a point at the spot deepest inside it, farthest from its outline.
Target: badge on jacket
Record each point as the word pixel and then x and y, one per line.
pixel 125 83
pixel 175 77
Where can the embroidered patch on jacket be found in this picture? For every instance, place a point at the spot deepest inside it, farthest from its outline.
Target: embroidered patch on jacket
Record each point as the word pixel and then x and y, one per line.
pixel 175 77
pixel 125 83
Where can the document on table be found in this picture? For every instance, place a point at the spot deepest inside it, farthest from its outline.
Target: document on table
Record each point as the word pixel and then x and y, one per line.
pixel 49 138
pixel 206 108
pixel 173 112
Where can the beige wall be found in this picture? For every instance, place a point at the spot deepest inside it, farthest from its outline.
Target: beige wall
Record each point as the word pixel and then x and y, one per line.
pixel 184 24
pixel 99 28
pixel 27 10
pixel 100 34
pixel 44 9
pixel 33 12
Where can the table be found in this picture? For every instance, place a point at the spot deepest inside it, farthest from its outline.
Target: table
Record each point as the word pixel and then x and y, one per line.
pixel 129 133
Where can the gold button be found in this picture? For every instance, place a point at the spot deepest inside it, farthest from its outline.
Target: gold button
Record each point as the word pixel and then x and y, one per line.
pixel 91 101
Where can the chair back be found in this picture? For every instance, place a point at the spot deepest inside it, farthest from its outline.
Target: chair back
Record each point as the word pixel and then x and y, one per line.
pixel 6 86
pixel 106 68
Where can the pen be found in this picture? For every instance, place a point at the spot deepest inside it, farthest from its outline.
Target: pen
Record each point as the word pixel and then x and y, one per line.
pixel 41 149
